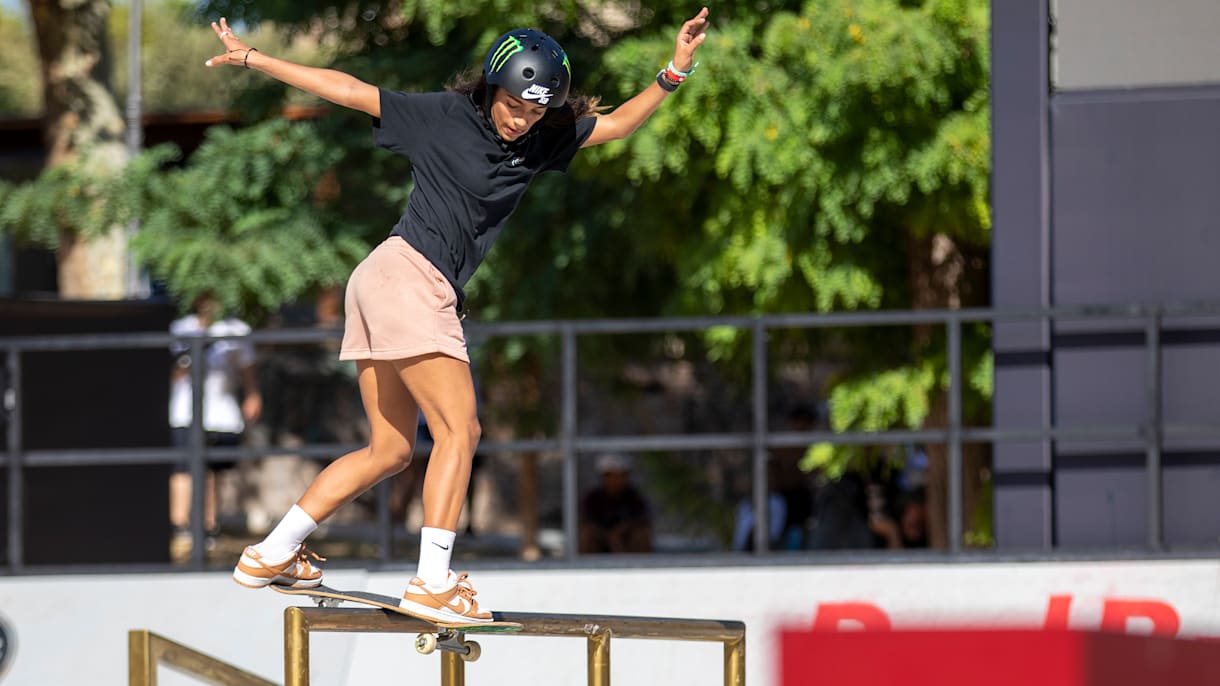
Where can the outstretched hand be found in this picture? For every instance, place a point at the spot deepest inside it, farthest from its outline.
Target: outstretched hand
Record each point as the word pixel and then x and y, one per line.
pixel 236 52
pixel 690 37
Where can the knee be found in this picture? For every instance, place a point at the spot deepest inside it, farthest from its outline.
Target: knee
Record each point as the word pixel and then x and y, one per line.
pixel 393 457
pixel 463 437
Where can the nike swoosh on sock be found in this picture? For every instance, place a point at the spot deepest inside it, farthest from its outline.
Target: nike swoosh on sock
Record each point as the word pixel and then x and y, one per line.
pixel 438 545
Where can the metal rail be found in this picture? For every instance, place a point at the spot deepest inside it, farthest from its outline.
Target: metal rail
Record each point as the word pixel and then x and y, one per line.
pixel 597 630
pixel 146 650
pixel 1151 432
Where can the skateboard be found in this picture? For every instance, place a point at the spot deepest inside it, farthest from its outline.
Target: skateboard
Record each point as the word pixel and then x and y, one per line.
pixel 448 637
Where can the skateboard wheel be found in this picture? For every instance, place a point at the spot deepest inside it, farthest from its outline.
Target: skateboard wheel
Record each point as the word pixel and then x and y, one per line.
pixel 473 651
pixel 425 644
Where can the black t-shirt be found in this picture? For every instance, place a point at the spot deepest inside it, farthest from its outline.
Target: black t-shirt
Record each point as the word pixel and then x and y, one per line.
pixel 467 181
pixel 608 510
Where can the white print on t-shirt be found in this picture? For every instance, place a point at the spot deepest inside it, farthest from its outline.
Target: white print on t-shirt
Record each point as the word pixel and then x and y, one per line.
pixel 535 92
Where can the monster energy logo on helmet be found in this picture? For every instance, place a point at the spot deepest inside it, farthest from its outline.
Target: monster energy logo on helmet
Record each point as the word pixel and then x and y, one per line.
pixel 499 57
pixel 530 65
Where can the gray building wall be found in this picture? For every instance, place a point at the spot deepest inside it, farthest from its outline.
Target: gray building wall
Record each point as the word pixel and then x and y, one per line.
pixel 1134 43
pixel 1106 186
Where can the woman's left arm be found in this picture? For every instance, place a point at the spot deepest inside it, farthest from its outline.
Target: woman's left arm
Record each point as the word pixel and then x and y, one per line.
pixel 628 117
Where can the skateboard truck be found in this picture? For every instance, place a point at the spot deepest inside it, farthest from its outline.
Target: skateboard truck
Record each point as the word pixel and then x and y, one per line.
pixel 449 641
pixel 444 640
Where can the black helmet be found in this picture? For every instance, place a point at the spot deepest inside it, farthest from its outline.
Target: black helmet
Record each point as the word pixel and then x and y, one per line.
pixel 530 65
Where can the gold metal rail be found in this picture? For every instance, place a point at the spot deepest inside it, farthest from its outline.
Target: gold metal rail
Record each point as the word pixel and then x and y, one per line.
pixel 145 650
pixel 596 629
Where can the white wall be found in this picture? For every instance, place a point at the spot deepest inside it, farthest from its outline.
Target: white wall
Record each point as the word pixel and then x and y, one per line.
pixel 73 629
pixel 1135 43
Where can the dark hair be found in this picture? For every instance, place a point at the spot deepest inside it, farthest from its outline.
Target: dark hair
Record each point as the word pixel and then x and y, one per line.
pixel 473 83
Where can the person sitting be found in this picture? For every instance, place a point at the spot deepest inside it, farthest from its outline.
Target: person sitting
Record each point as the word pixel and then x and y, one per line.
pixel 615 517
pixel 908 527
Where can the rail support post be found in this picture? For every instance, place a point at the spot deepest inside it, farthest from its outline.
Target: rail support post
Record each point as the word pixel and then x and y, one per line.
pixel 453 670
pixel 735 662
pixel 599 658
pixel 296 648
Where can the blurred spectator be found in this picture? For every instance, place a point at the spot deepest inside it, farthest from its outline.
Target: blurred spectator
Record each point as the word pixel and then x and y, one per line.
pixel 906 526
pixel 842 515
pixel 229 369
pixel 793 484
pixel 790 500
pixel 615 517
pixel 743 527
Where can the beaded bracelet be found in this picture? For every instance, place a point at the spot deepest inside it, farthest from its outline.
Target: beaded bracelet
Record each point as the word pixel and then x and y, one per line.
pixel 664 82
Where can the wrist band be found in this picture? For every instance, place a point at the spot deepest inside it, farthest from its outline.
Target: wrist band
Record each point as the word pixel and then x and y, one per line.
pixel 683 74
pixel 666 84
pixel 672 76
pixel 245 61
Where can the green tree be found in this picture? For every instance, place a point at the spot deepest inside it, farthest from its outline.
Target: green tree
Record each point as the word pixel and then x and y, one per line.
pixel 82 124
pixel 829 156
pixel 247 219
pixel 264 173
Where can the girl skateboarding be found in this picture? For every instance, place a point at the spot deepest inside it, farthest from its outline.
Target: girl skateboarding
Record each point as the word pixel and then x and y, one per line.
pixel 474 149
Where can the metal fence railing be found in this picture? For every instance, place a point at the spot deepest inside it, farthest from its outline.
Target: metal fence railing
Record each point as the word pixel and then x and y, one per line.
pixel 147 650
pixel 569 443
pixel 597 630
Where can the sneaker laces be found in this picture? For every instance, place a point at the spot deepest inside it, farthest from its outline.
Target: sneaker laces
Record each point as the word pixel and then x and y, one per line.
pixel 302 558
pixel 466 591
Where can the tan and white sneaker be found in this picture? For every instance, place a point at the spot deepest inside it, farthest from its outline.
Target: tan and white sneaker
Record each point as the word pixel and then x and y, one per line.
pixel 297 571
pixel 453 603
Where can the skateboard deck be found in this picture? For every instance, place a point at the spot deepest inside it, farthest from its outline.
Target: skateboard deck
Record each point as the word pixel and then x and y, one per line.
pixel 326 596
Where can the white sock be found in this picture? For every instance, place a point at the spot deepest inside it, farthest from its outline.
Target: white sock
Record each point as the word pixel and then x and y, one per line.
pixel 284 539
pixel 435 551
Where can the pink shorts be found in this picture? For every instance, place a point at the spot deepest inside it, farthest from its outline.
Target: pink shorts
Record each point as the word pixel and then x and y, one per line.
pixel 399 305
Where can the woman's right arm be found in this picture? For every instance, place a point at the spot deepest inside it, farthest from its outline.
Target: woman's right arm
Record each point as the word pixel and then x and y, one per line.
pixel 329 84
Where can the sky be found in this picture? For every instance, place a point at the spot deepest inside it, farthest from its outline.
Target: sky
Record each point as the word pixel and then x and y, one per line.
pixel 14 8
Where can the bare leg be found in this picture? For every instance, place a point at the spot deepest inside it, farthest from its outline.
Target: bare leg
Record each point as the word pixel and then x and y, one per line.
pixel 209 501
pixel 444 389
pixel 180 494
pixel 393 420
pixel 180 499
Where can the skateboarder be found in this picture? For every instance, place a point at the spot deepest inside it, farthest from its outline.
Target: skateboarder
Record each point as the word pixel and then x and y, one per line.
pixel 474 149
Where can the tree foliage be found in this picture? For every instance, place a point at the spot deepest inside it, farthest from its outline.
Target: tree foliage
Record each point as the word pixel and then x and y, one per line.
pixel 245 220
pixel 813 134
pixel 809 164
pixel 75 198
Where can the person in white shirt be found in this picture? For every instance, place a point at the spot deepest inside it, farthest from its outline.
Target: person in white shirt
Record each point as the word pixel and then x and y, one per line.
pixel 231 399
